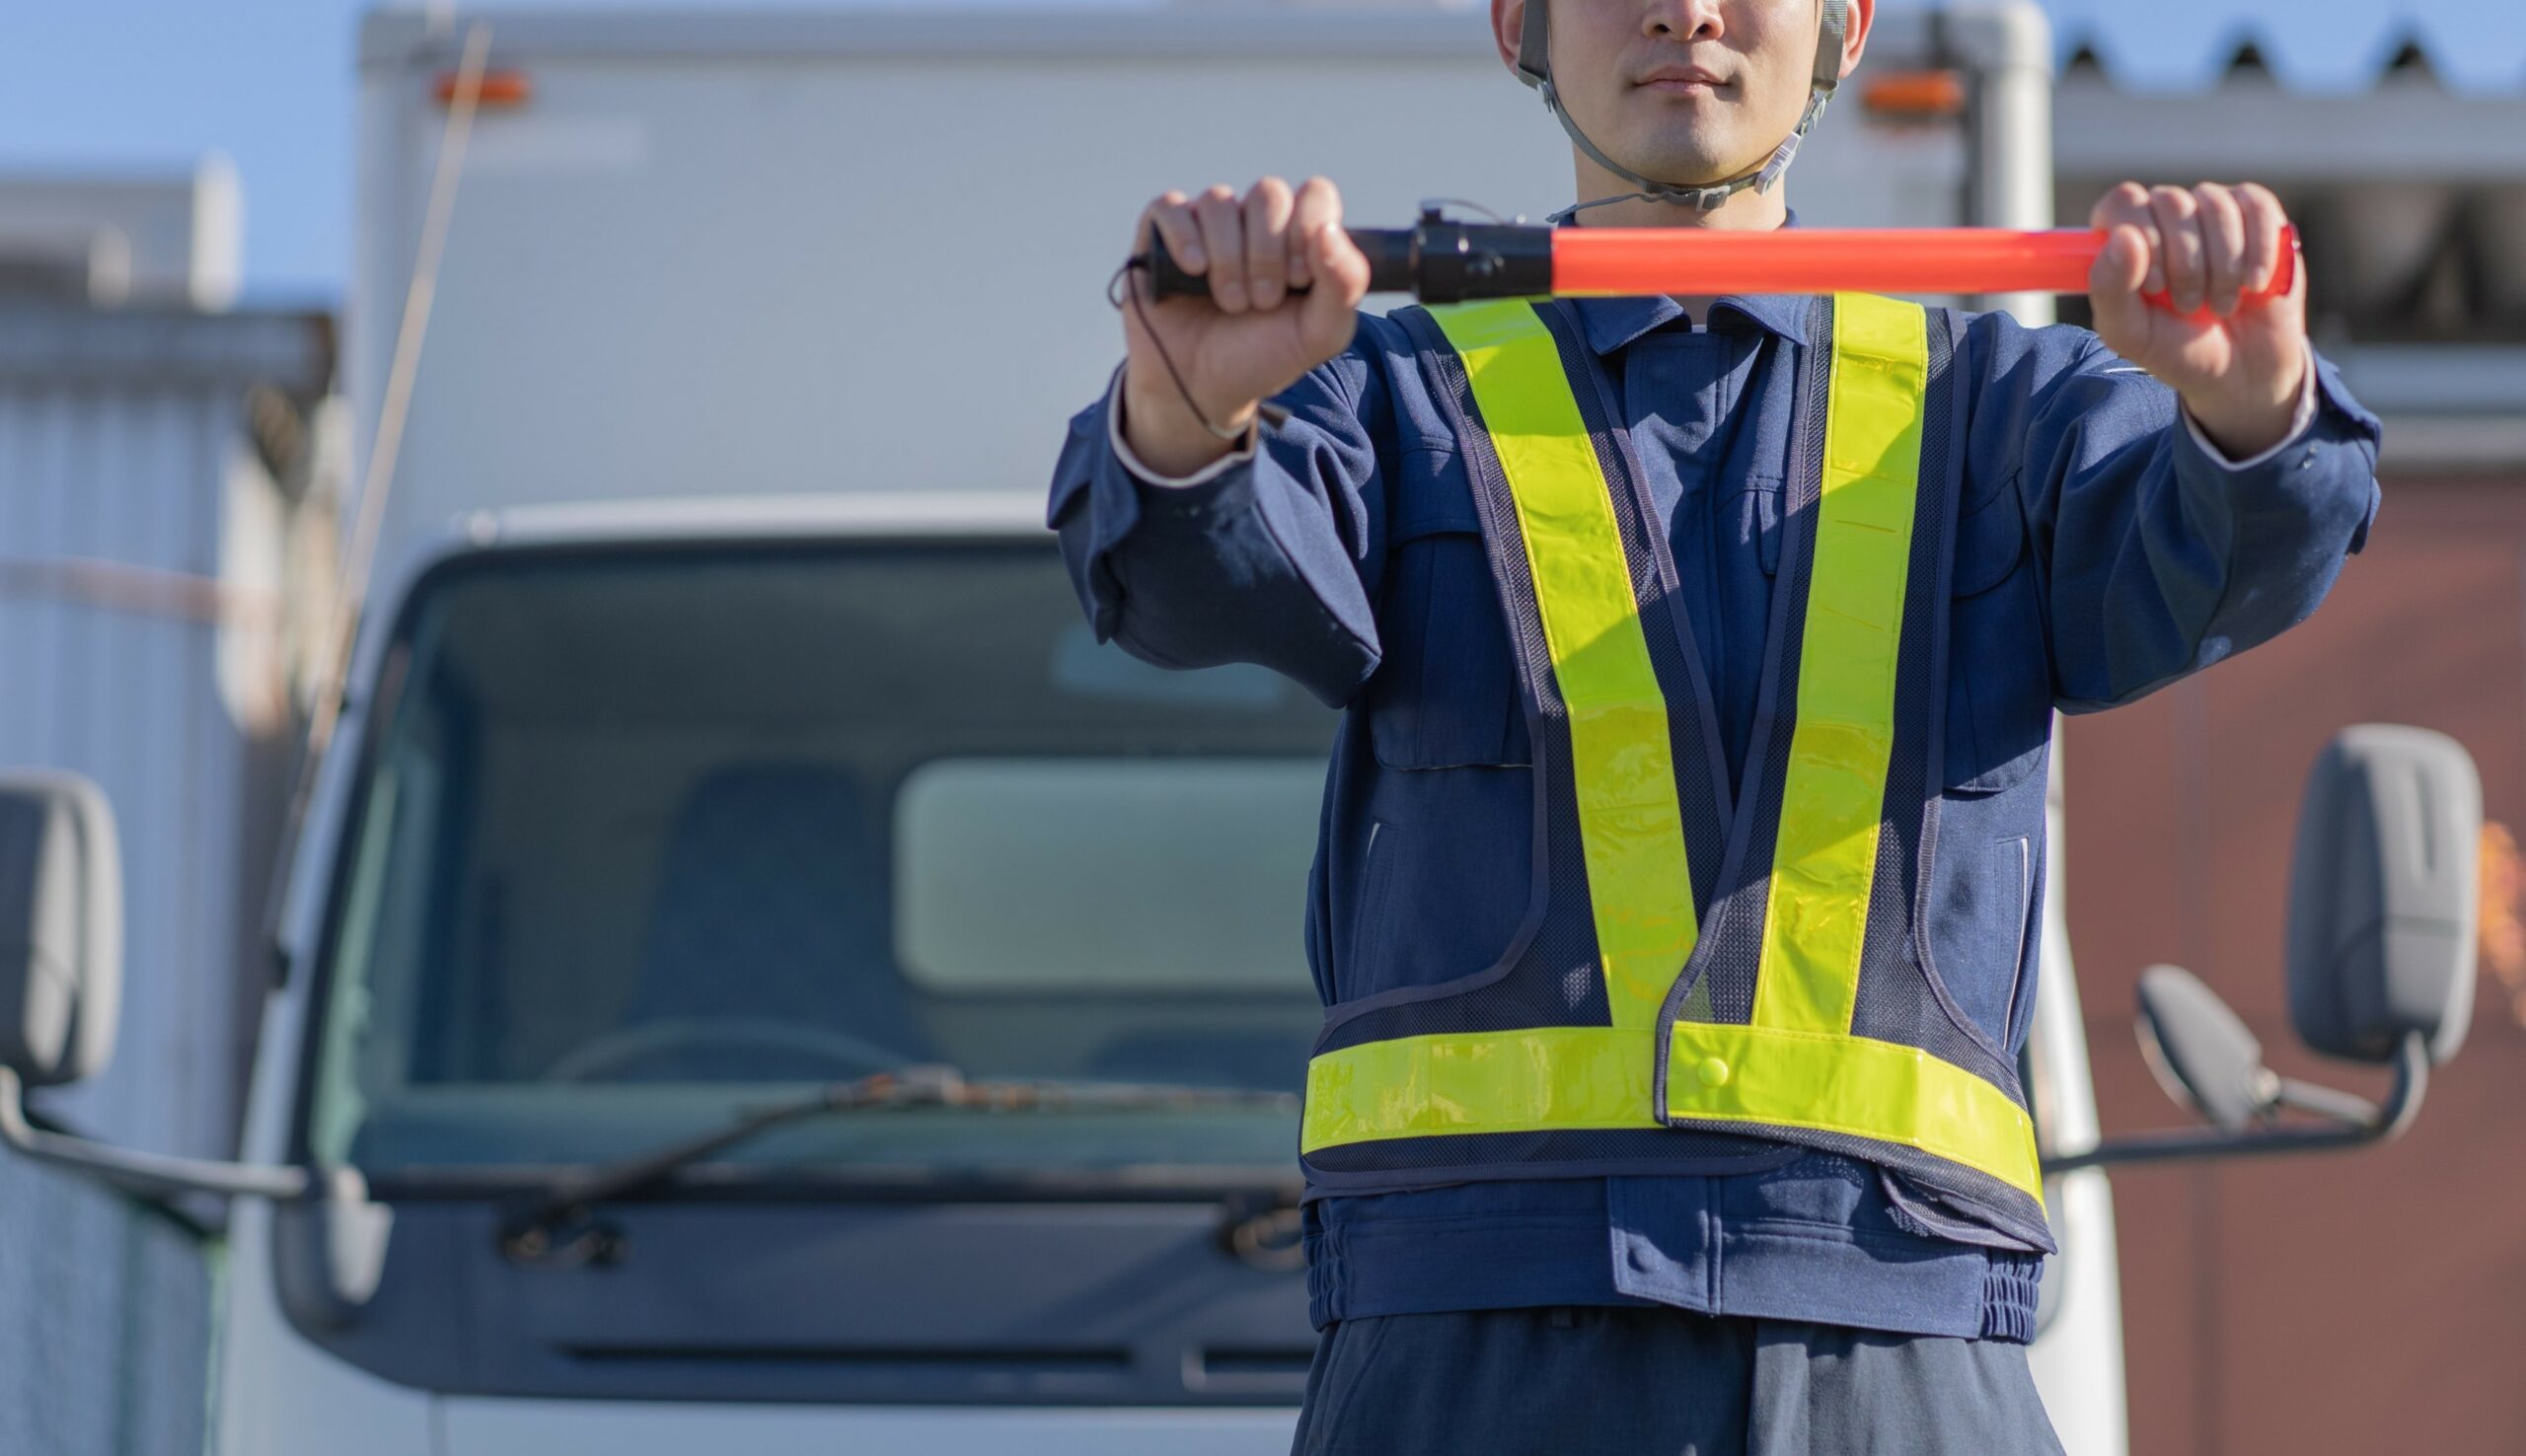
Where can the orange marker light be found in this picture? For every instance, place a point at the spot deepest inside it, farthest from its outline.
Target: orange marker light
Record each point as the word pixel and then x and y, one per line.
pixel 501 91
pixel 1914 95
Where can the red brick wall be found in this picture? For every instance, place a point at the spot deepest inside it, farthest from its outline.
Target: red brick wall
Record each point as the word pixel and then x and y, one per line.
pixel 2371 1301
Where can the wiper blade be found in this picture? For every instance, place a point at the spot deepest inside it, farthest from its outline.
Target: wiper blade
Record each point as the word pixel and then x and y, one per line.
pixel 531 1236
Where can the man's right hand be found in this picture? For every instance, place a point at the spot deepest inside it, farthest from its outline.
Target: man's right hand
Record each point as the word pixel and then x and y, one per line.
pixel 1250 339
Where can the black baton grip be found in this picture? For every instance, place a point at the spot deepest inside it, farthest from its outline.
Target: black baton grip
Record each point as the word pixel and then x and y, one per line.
pixel 1388 250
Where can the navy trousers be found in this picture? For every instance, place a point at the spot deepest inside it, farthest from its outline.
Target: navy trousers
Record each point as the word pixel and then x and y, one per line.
pixel 1628 1381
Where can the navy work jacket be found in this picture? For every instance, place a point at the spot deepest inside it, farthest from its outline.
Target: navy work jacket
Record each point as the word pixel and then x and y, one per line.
pixel 2105 549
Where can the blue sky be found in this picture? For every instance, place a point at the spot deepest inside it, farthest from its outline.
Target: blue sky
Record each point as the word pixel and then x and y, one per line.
pixel 149 85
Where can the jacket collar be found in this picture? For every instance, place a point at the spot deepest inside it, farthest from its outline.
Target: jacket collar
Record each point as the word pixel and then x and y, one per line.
pixel 1612 323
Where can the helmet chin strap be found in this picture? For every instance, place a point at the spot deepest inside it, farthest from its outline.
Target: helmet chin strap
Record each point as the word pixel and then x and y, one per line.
pixel 1535 67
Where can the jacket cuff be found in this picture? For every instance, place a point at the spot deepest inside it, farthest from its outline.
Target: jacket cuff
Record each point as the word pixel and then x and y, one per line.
pixel 2323 477
pixel 1098 503
pixel 2299 420
pixel 1132 462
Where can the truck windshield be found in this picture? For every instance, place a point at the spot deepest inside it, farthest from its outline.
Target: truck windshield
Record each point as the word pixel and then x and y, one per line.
pixel 646 839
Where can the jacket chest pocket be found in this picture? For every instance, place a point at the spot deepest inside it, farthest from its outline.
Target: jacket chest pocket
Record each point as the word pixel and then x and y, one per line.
pixel 1446 694
pixel 1977 927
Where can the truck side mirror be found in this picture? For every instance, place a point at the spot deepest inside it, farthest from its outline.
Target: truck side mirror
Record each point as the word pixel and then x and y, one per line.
pixel 61 984
pixel 60 928
pixel 2381 900
pixel 2382 894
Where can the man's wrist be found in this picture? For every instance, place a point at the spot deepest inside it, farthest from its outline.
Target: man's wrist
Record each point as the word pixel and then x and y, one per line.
pixel 1166 436
pixel 2242 428
pixel 1159 462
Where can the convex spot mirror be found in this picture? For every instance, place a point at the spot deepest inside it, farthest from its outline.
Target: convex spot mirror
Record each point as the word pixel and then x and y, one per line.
pixel 60 926
pixel 2383 895
pixel 2199 1052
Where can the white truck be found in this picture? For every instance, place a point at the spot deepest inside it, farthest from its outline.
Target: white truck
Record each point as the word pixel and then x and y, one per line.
pixel 727 732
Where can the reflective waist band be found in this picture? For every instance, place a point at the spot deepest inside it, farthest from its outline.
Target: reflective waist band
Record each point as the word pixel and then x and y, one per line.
pixel 1575 1077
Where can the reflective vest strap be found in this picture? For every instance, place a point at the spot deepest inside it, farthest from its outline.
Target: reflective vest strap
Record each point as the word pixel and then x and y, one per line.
pixel 1537 1079
pixel 1832 1082
pixel 1833 799
pixel 1631 825
pixel 1569 1078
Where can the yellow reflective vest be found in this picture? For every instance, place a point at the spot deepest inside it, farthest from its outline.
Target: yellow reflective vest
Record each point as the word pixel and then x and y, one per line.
pixel 1706 962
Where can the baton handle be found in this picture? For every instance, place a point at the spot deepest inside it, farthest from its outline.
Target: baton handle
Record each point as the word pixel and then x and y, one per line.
pixel 1388 250
pixel 1440 261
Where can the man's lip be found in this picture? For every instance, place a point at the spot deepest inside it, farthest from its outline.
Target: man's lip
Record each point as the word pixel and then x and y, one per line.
pixel 1679 78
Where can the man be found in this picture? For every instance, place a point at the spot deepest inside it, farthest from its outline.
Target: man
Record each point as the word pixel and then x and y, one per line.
pixel 1682 851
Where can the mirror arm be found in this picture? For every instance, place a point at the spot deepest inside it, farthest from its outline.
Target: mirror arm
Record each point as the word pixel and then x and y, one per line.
pixel 2345 1108
pixel 2367 1123
pixel 157 1175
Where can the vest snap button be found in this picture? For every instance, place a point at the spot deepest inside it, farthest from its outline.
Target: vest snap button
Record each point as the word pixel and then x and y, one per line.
pixel 1713 1071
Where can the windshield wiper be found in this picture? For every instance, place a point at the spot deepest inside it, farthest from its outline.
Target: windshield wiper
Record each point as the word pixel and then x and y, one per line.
pixel 534 1235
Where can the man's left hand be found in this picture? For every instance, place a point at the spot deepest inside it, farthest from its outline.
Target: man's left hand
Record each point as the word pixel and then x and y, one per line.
pixel 2238 368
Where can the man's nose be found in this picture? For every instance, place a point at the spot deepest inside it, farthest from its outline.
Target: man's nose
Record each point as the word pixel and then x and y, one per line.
pixel 1684 19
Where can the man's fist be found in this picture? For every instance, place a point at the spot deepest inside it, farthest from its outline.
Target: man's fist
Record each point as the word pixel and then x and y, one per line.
pixel 1250 338
pixel 2239 366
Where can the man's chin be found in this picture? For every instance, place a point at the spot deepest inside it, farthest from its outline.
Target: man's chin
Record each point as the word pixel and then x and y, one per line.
pixel 1679 169
pixel 1678 143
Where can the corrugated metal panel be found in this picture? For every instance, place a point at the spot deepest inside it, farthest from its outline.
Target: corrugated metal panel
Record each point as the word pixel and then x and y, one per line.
pixel 106 1350
pixel 130 650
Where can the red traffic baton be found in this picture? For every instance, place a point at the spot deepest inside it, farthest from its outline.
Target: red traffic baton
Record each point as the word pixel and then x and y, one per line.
pixel 1443 262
